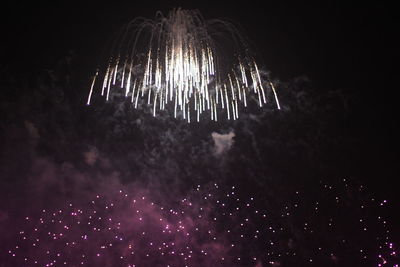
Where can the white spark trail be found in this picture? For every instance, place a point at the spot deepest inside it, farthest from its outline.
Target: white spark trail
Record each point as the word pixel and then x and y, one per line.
pixel 177 59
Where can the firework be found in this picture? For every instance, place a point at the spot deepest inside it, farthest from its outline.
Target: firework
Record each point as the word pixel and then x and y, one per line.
pixel 211 226
pixel 195 65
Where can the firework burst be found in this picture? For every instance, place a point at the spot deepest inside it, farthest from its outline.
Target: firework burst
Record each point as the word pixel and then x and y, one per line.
pixel 195 65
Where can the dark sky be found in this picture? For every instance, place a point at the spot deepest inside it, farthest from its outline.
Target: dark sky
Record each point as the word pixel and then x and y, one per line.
pixel 334 44
pixel 337 45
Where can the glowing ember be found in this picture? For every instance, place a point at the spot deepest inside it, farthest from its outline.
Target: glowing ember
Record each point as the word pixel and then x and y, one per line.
pixel 212 226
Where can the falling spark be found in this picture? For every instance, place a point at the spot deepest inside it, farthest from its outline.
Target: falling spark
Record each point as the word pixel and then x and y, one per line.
pixel 178 59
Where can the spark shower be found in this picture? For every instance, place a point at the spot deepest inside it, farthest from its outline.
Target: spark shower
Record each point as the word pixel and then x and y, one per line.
pixel 193 64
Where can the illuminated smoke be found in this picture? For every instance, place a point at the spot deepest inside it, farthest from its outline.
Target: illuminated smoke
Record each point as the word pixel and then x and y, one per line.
pixel 222 142
pixel 195 65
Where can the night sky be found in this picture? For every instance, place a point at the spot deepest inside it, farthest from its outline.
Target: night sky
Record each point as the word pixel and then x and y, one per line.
pixel 340 57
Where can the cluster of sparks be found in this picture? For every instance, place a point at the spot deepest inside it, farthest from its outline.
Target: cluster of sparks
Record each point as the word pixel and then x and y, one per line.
pixel 213 226
pixel 175 59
